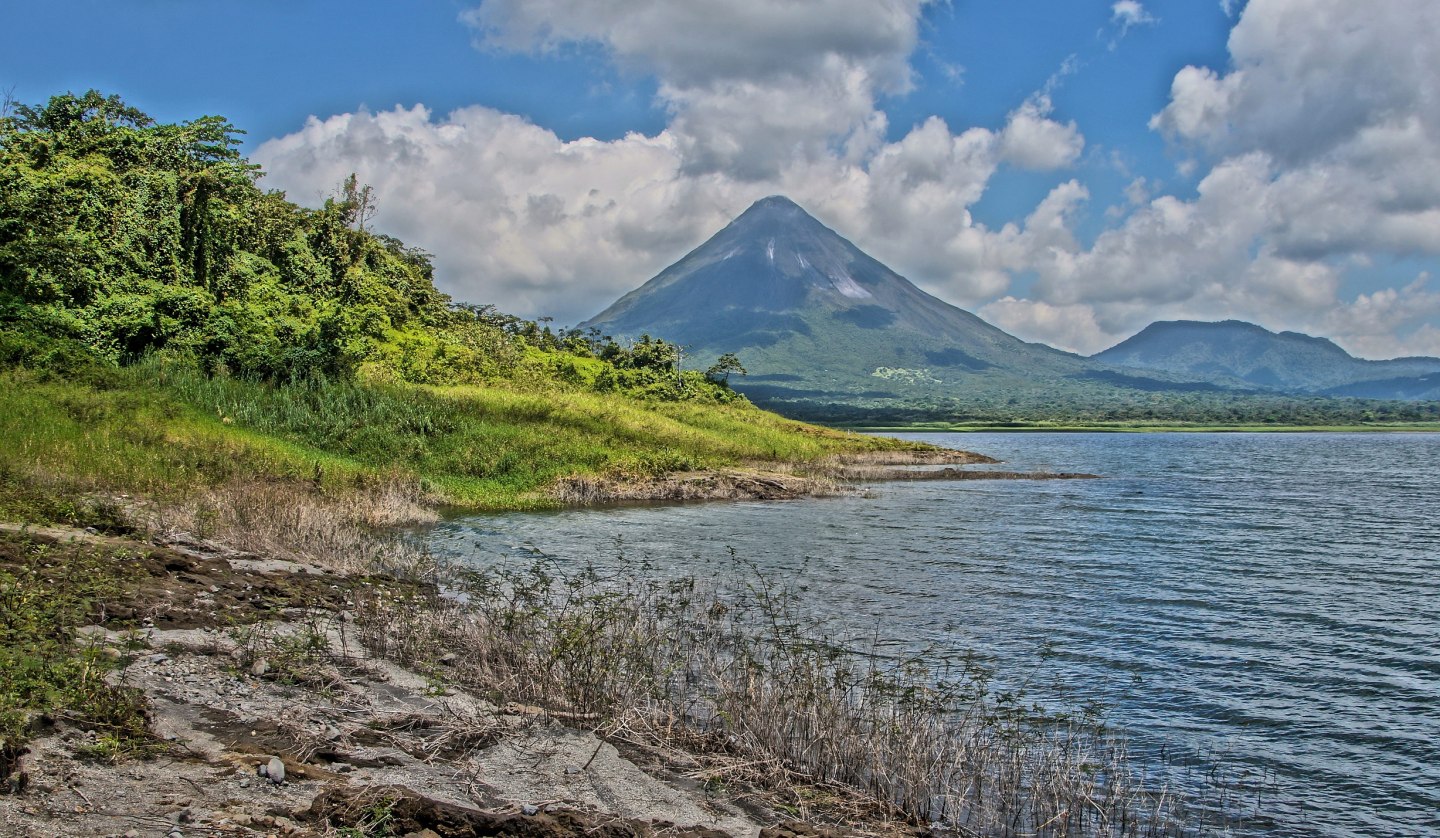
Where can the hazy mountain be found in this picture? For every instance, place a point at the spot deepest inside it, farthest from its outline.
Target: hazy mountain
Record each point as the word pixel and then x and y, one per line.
pixel 810 314
pixel 828 332
pixel 1231 352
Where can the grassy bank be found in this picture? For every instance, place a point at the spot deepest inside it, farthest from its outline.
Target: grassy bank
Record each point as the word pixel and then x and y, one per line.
pixel 166 431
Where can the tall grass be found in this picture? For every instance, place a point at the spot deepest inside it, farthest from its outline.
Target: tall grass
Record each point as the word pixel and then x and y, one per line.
pixel 166 430
pixel 735 674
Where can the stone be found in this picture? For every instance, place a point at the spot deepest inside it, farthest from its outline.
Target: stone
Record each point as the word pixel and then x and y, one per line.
pixel 530 810
pixel 259 667
pixel 275 770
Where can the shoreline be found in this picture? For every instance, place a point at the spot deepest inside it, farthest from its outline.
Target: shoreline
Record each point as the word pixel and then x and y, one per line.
pixel 248 661
pixel 1121 427
pixel 369 693
pixel 833 476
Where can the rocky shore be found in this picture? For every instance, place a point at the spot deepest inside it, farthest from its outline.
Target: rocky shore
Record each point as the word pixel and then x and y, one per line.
pixel 270 712
pixel 271 718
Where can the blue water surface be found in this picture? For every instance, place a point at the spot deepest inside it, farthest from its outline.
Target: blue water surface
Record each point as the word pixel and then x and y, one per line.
pixel 1270 602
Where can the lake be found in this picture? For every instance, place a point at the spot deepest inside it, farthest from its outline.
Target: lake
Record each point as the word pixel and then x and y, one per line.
pixel 1267 601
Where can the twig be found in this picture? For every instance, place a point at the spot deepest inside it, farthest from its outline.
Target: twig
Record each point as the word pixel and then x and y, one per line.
pixel 598 746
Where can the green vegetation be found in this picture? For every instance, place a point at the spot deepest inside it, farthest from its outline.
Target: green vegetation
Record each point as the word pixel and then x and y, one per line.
pixel 166 324
pixel 1017 405
pixel 47 591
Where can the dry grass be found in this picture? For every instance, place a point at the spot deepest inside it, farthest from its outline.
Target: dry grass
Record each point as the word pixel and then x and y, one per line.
pixel 355 532
pixel 734 676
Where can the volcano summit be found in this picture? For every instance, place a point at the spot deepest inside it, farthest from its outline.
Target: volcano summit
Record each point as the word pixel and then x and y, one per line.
pixel 815 318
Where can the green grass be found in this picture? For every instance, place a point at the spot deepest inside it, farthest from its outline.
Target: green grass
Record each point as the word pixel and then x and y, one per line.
pixel 159 431
pixel 46 592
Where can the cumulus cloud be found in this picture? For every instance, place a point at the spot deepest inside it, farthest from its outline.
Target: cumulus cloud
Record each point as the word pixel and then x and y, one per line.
pixel 1317 148
pixel 1323 146
pixel 763 98
pixel 751 83
pixel 1033 140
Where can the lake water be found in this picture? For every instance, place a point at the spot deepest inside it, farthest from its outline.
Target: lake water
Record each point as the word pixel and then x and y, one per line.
pixel 1268 600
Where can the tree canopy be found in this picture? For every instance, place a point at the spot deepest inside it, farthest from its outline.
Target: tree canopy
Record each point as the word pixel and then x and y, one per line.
pixel 121 236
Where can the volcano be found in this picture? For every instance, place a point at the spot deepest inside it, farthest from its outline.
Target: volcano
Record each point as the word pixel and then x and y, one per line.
pixel 811 316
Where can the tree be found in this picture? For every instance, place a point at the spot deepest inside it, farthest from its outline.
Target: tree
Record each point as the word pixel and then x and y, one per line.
pixel 719 371
pixel 358 201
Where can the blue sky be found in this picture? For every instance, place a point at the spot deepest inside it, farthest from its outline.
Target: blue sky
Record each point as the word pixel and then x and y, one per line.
pixel 1069 170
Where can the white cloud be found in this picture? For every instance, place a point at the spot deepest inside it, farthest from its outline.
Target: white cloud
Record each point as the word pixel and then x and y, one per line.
pixel 1317 149
pixel 1129 13
pixel 1069 327
pixel 1032 140
pixel 764 98
pixel 1323 147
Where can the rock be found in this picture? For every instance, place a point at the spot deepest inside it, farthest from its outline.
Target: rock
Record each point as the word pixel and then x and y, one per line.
pixel 275 770
pixel 448 659
pixel 157 658
pixel 424 833
pixel 572 769
pixel 259 667
pixel 131 833
pixel 530 810
pixel 341 767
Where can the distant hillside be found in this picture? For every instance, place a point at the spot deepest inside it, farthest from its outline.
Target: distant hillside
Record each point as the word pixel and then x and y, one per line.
pixel 1235 353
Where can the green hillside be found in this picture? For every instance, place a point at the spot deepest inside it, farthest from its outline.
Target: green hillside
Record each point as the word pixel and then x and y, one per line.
pixel 165 324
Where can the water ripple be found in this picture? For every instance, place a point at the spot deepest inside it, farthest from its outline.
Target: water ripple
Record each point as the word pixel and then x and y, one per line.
pixel 1268 597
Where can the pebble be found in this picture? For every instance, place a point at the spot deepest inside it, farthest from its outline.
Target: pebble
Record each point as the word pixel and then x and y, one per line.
pixel 530 810
pixel 571 769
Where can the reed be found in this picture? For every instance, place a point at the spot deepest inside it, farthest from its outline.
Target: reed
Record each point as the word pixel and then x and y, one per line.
pixel 736 674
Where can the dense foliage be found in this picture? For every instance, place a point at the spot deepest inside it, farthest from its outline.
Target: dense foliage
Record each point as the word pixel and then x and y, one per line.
pixel 121 237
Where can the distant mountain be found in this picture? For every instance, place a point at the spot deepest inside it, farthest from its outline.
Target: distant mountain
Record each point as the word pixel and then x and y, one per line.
pixel 812 316
pixel 829 333
pixel 1235 353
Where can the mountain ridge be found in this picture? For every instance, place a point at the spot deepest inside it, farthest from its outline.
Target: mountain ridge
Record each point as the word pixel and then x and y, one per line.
pixel 1236 351
pixel 818 322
